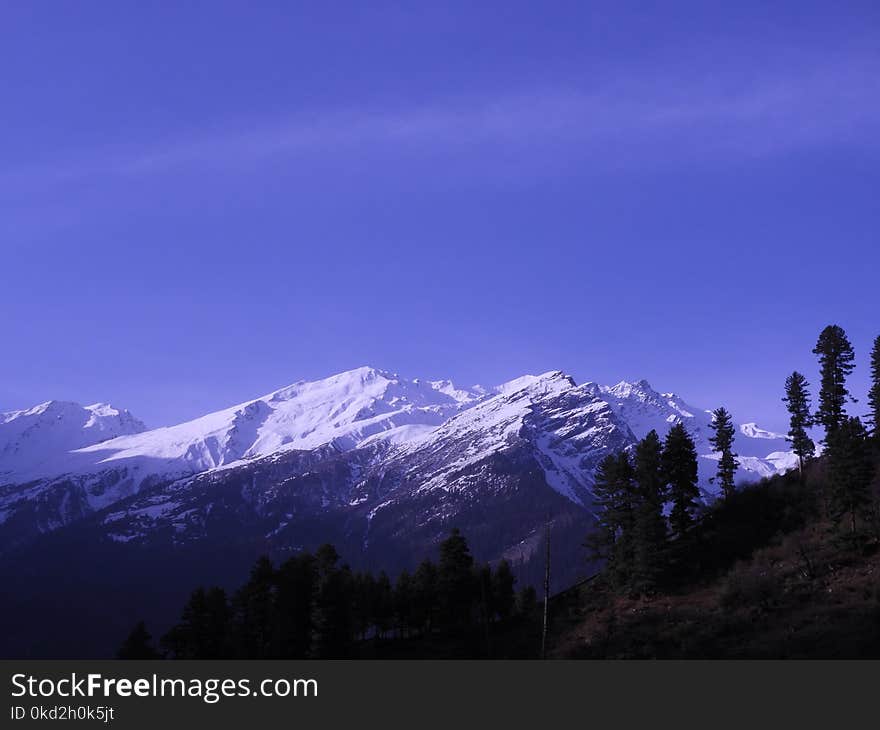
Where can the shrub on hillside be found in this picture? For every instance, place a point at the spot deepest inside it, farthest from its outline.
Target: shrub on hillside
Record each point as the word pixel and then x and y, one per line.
pixel 750 585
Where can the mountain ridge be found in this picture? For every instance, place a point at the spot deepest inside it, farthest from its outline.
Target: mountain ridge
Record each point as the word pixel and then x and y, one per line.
pixel 380 466
pixel 431 434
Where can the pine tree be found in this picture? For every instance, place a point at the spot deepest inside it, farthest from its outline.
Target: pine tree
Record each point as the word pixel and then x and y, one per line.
pixel 363 603
pixel 612 539
pixel 649 539
pixel 253 614
pixel 850 470
pixel 722 437
pixel 836 358
pixel 527 603
pixel 202 632
pixel 797 401
pixel 425 597
pixel 606 491
pixel 680 473
pixel 484 596
pixel 455 581
pixel 384 604
pixel 296 580
pixel 874 392
pixel 334 622
pixel 138 645
pixel 503 596
pixel 404 599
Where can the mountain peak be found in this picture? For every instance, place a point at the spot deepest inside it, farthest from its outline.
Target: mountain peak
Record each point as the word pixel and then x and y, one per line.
pixel 41 438
pixel 528 381
pixel 753 431
pixel 368 372
pixel 627 389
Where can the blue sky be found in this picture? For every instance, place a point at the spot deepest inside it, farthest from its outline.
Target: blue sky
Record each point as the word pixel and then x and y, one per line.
pixel 201 204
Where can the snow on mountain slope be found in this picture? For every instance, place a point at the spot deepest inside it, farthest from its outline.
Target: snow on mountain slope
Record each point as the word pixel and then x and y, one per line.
pixel 412 436
pixel 567 427
pixel 506 459
pixel 339 413
pixel 761 453
pixel 571 427
pixel 38 440
pixel 343 410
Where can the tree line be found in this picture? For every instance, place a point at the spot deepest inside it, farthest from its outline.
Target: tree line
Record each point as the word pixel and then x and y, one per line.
pixel 648 495
pixel 632 490
pixel 850 444
pixel 314 606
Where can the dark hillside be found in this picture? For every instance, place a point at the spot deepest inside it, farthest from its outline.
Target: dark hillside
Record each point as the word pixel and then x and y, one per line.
pixel 765 575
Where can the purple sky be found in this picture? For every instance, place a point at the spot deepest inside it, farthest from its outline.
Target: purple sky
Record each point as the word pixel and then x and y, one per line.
pixel 203 204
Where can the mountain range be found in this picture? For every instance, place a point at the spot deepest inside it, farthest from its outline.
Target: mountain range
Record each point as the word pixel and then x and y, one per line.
pixel 60 461
pixel 379 465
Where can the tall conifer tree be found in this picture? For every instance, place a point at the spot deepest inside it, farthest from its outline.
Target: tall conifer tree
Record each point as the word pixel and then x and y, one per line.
pixel 138 645
pixel 613 539
pixel 403 602
pixel 296 580
pixel 649 537
pixel 253 608
pixel 680 473
pixel 334 617
pixel 425 596
pixel 202 630
pixel 874 392
pixel 503 595
pixel 850 470
pixel 836 358
pixel 455 581
pixel 797 401
pixel 722 441
pixel 384 604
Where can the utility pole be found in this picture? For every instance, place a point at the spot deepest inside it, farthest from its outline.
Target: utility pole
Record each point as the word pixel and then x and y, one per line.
pixel 546 595
pixel 486 616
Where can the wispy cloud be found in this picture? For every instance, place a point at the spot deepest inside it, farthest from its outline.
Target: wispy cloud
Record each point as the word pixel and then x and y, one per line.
pixel 656 118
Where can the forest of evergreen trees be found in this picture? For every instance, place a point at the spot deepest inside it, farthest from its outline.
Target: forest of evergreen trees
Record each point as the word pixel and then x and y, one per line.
pixel 650 499
pixel 312 605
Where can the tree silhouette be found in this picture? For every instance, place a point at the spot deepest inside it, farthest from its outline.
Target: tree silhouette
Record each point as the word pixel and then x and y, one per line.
pixel 836 358
pixel 202 632
pixel 797 401
pixel 296 581
pixel 253 612
pixel 138 645
pixel 850 470
pixel 613 536
pixel 723 434
pixel 874 392
pixel 455 581
pixel 649 539
pixel 503 596
pixel 680 473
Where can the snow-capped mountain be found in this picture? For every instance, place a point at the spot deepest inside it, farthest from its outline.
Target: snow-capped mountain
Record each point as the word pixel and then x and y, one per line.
pixel 569 427
pixel 760 453
pixel 38 441
pixel 345 411
pixel 380 466
pixel 373 440
pixel 62 461
pixel 496 468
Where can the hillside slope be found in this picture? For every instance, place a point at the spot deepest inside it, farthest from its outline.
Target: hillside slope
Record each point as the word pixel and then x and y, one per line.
pixel 786 587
